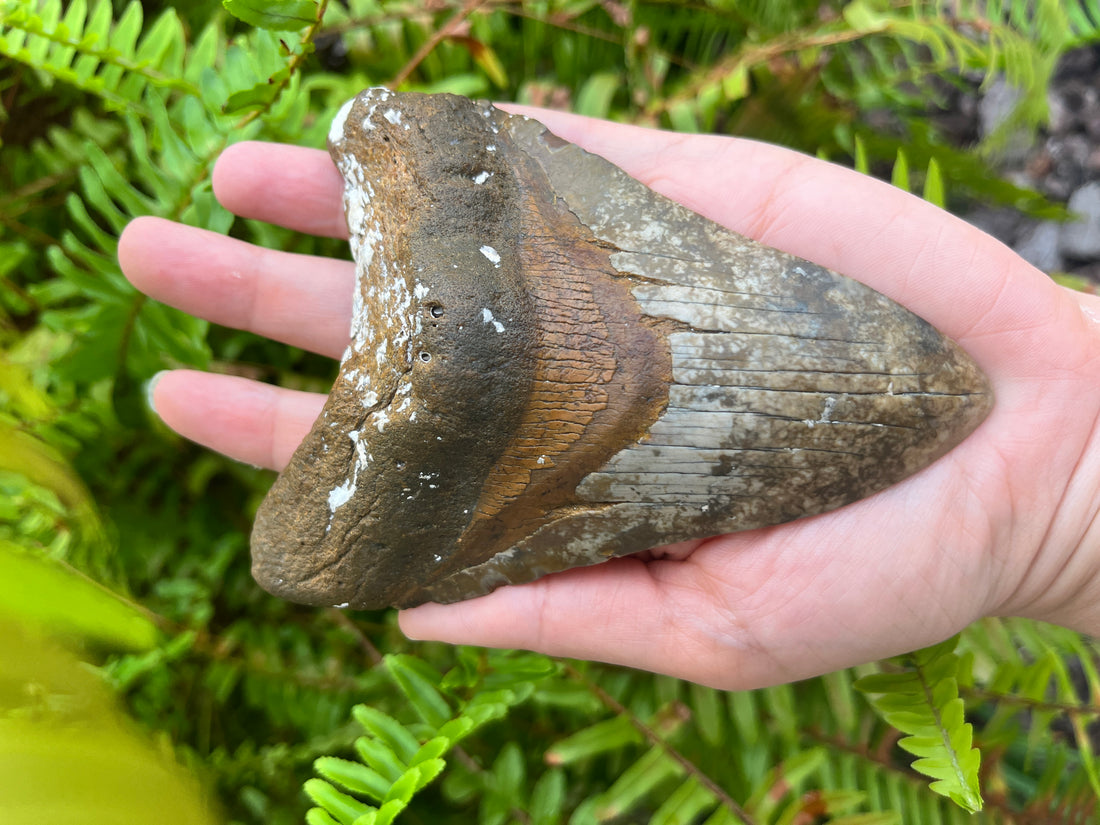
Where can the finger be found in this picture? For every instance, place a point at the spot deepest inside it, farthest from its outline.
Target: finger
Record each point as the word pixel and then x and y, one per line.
pixel 249 421
pixel 290 186
pixel 749 609
pixel 301 300
pixel 621 612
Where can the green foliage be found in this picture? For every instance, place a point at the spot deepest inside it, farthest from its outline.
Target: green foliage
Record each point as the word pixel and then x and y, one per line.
pixel 922 701
pixel 59 720
pixel 39 591
pixel 395 762
pixel 110 111
pixel 279 15
pixel 69 755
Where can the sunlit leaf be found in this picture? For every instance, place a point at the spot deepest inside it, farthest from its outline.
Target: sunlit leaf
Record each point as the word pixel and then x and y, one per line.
pixel 278 15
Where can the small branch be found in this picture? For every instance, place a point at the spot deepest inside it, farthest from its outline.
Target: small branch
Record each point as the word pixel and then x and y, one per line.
pixel 654 738
pixel 516 8
pixel 1033 704
pixel 754 55
pixel 472 765
pixel 293 66
pixel 340 618
pixel 8 103
pixel 22 294
pixel 558 21
pixel 32 234
pixel 451 27
pixel 34 187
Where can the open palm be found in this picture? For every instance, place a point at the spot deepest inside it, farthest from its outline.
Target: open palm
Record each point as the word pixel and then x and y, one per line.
pixel 1003 524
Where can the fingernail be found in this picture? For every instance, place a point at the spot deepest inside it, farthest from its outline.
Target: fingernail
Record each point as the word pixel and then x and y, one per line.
pixel 150 389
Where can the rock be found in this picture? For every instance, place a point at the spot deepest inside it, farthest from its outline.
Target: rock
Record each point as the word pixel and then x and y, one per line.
pixel 1002 223
pixel 1078 63
pixel 995 111
pixel 551 365
pixel 1069 156
pixel 1092 165
pixel 1039 246
pixel 1060 117
pixel 997 105
pixel 1080 239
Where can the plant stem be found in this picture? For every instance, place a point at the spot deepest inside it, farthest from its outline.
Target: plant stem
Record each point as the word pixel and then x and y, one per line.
pixel 654 738
pixel 451 27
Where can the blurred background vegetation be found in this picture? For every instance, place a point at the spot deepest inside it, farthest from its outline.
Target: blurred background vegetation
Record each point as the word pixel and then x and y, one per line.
pixel 144 677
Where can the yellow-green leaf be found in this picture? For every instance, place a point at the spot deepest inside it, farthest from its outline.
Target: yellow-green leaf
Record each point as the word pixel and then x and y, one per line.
pixel 60 600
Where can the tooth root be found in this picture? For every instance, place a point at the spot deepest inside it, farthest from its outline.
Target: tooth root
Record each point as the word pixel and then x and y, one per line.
pixel 550 364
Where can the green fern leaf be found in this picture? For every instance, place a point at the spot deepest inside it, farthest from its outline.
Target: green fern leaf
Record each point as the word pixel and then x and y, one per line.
pixel 346 809
pixel 82 51
pixel 56 597
pixel 380 758
pixel 403 789
pixel 426 772
pixel 418 683
pixel 607 735
pixel 684 805
pixel 387 729
pixel 923 702
pixel 900 176
pixel 319 816
pixel 548 799
pixel 934 190
pixel 395 767
pixel 355 776
pixel 257 96
pixel 277 15
pixel 653 769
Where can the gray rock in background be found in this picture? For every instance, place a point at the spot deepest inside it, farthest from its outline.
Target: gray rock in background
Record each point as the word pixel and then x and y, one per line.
pixel 1080 239
pixel 1004 224
pixel 1063 164
pixel 1040 246
pixel 995 110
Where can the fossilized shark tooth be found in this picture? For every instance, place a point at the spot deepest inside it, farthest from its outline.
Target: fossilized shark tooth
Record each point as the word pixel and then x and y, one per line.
pixel 550 365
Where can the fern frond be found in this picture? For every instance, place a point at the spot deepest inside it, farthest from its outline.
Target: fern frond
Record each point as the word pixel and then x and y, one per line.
pixel 923 702
pixel 397 760
pixel 86 50
pixel 1029 680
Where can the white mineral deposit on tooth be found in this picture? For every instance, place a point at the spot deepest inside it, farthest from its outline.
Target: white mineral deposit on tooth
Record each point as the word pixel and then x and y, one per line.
pixel 487 317
pixel 339 496
pixel 336 131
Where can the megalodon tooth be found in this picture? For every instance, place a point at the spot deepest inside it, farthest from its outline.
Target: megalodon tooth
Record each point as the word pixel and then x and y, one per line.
pixel 550 365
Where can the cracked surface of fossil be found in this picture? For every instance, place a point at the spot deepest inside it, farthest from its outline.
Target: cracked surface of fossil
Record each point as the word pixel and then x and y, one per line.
pixel 550 364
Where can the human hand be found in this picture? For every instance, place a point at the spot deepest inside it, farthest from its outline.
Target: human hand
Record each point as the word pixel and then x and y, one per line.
pixel 1004 524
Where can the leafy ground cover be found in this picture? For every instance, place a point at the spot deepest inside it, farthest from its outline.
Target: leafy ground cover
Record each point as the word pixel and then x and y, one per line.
pixel 144 677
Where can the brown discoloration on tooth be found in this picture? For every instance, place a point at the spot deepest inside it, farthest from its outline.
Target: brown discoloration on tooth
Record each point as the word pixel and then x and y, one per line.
pixel 600 376
pixel 550 365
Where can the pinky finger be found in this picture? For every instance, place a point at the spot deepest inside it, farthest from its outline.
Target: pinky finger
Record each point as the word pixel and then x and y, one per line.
pixel 246 420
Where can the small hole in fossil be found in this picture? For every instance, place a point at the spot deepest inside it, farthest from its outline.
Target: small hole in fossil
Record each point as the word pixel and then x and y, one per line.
pixel 400 465
pixel 436 310
pixel 425 357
